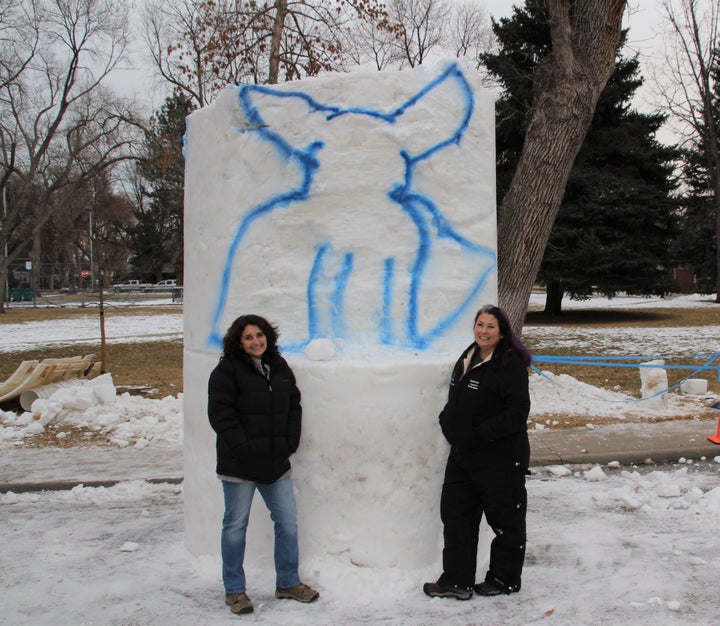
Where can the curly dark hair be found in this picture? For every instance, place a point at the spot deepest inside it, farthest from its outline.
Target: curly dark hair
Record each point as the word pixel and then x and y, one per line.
pixel 232 345
pixel 510 339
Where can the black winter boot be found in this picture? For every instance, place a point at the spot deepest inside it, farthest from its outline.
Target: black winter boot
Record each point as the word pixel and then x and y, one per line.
pixel 492 586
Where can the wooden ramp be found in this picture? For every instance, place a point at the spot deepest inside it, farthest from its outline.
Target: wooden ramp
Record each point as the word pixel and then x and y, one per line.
pixel 31 374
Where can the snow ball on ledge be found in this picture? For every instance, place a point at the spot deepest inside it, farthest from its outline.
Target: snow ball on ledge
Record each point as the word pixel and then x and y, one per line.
pixel 320 349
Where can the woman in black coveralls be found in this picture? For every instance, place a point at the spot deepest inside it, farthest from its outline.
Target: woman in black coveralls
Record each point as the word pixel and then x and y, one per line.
pixel 485 422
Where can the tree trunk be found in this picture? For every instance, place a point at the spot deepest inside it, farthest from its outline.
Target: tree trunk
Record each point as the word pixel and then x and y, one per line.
pixel 553 297
pixel 567 85
pixel 35 260
pixel 717 247
pixel 4 289
pixel 713 159
pixel 101 311
pixel 278 25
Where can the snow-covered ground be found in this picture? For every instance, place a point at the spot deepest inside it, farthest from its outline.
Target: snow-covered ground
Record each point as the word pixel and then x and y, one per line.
pixel 85 329
pixel 605 545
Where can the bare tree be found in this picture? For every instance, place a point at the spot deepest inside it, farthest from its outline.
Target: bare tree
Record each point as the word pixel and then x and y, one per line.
pixel 567 85
pixel 424 25
pixel 420 29
pixel 59 127
pixel 468 32
pixel 19 40
pixel 692 51
pixel 182 38
pixel 365 44
pixel 199 48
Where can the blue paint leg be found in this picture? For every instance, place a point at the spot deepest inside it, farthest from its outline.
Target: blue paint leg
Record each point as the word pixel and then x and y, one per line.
pixel 315 273
pixel 337 301
pixel 386 332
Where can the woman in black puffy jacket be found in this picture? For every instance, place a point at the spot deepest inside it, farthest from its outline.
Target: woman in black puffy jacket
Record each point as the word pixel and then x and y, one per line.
pixel 254 408
pixel 485 422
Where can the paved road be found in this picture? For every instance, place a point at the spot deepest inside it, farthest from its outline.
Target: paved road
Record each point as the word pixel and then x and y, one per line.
pixel 627 443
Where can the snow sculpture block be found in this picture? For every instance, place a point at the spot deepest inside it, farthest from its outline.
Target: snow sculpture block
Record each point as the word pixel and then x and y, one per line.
pixel 356 211
pixel 653 380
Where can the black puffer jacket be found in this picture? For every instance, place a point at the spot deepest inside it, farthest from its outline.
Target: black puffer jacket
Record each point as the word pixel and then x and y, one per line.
pixel 257 422
pixel 485 418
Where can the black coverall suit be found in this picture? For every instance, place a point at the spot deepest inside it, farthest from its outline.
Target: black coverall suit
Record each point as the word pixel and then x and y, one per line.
pixel 485 422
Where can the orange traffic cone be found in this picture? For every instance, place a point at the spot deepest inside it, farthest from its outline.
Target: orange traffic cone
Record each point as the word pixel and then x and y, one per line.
pixel 716 437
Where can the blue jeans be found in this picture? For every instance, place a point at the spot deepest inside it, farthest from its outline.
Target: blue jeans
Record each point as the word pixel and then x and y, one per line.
pixel 280 500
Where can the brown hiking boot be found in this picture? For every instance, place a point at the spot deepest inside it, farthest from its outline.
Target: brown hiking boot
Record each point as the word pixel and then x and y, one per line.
pixel 299 592
pixel 239 602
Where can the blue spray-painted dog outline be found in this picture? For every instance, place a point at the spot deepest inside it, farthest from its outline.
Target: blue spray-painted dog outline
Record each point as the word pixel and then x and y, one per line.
pixel 414 204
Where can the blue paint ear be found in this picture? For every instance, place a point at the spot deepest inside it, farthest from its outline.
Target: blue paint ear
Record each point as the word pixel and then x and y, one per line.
pixel 276 111
pixel 442 110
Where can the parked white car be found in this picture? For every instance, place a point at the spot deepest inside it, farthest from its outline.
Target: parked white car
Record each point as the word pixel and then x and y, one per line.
pixel 166 285
pixel 131 285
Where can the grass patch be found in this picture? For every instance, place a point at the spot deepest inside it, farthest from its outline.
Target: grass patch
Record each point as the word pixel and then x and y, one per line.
pixel 74 437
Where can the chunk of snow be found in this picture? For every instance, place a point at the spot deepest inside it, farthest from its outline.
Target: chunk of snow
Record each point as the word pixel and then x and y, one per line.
pixel 596 474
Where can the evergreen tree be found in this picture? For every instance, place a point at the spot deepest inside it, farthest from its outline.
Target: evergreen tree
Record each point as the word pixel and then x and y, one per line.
pixel 616 219
pixel 156 239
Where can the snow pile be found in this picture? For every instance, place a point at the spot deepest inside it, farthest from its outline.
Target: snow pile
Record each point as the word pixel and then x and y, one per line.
pixel 566 394
pixel 562 394
pixel 138 421
pixel 659 491
pixel 127 420
pixel 121 492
